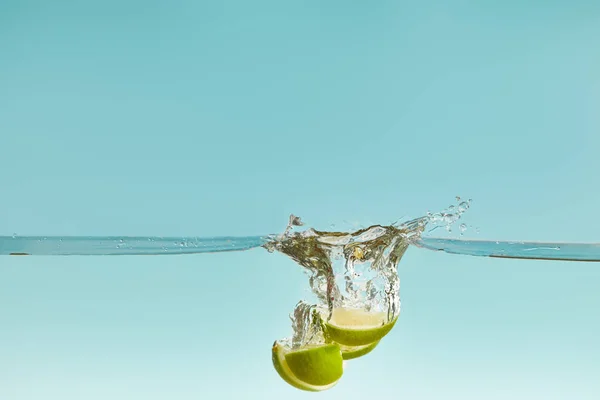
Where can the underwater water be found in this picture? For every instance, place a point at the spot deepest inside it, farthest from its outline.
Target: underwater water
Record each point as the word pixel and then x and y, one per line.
pixel 347 270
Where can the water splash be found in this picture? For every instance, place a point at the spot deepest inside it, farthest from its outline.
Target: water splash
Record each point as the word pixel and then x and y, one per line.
pixel 306 325
pixel 356 270
pixel 447 218
pixel 359 269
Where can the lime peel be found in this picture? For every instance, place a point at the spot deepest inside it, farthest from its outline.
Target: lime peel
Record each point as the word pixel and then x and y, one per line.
pixel 355 327
pixel 313 369
pixel 352 352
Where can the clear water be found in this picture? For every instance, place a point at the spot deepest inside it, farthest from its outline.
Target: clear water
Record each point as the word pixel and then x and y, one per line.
pixel 416 232
pixel 345 269
pixel 123 245
pixel 514 249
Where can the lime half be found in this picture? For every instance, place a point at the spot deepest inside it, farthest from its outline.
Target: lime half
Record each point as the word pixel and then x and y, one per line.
pixel 314 368
pixel 356 327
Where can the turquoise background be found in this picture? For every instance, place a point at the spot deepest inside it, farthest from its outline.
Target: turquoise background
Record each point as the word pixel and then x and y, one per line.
pixel 222 118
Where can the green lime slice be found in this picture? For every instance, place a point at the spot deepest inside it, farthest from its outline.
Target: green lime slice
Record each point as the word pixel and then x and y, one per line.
pixel 356 327
pixel 314 368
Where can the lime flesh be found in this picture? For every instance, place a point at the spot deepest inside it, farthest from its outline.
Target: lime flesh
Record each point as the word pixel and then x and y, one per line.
pixel 312 369
pixel 355 327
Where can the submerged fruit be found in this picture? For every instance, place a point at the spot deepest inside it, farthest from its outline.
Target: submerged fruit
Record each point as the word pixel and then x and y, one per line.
pixel 352 352
pixel 313 368
pixel 356 327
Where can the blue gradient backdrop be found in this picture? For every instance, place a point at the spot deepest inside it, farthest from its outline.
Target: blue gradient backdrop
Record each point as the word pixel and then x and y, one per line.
pixel 221 118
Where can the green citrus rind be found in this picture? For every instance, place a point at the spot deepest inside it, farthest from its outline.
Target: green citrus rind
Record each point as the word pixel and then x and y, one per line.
pixel 352 352
pixel 355 327
pixel 312 369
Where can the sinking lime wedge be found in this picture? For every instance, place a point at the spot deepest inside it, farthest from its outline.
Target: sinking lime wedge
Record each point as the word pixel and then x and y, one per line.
pixel 356 327
pixel 314 368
